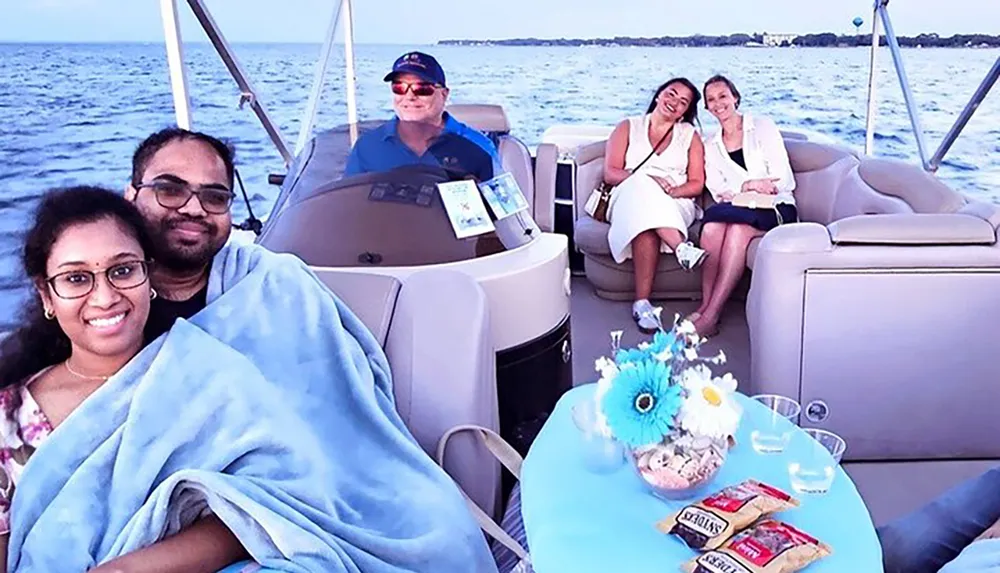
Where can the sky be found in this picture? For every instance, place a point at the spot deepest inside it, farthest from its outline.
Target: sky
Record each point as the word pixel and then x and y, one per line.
pixel 427 21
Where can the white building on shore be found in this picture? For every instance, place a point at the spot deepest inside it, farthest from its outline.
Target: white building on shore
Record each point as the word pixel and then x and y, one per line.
pixel 778 39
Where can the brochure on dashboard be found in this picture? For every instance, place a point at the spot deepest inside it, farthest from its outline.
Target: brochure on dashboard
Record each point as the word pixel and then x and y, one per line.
pixel 503 195
pixel 465 208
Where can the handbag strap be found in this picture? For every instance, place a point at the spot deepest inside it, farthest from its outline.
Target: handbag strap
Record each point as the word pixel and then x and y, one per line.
pixel 653 152
pixel 509 458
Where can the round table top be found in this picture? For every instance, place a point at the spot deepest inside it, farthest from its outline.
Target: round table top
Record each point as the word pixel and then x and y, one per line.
pixel 580 521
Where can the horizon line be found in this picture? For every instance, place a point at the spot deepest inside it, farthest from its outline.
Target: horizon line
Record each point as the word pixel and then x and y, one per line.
pixel 440 40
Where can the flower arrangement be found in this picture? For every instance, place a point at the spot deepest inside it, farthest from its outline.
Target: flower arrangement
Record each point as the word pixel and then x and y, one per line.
pixel 662 401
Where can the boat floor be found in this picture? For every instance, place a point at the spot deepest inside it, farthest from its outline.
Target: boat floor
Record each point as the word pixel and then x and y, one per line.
pixel 593 320
pixel 889 489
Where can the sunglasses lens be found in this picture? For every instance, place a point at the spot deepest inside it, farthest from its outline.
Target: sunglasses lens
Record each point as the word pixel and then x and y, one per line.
pixel 420 90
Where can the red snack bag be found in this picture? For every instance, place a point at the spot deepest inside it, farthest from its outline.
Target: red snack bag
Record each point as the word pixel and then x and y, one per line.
pixel 708 523
pixel 768 546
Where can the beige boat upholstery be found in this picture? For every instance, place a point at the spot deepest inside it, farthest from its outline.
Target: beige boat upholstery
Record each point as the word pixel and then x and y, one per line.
pixel 877 311
pixel 813 164
pixel 538 182
pixel 434 326
pixel 878 314
pixel 612 280
pixel 340 225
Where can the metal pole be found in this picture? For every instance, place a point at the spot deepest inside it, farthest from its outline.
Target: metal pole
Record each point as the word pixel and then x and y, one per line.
pixel 319 80
pixel 963 118
pixel 175 62
pixel 248 94
pixel 872 103
pixel 904 83
pixel 352 104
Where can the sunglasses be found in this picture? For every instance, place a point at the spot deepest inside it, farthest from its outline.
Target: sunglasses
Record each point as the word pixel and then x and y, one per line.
pixel 419 89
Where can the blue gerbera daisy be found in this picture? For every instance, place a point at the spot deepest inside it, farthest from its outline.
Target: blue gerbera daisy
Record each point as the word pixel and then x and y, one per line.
pixel 641 403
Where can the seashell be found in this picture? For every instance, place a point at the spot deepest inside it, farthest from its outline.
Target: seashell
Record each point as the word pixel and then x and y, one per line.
pixel 667 480
pixel 690 470
pixel 675 463
pixel 701 443
pixel 660 459
pixel 644 458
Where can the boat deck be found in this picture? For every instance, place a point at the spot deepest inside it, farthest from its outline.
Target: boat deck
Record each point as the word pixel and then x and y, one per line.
pixel 889 489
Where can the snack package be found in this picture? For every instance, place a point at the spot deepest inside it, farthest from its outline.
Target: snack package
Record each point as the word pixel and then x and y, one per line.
pixel 768 546
pixel 707 524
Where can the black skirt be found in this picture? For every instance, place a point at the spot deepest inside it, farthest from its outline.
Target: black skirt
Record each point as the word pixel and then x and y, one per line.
pixel 763 219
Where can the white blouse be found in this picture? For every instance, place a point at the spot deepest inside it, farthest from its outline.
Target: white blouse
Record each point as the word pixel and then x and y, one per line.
pixel 765 156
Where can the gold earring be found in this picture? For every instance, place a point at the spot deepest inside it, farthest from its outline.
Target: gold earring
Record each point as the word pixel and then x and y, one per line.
pixel 49 315
pixel 152 294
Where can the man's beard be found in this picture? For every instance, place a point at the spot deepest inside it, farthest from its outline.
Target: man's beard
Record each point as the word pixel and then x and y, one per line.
pixel 180 257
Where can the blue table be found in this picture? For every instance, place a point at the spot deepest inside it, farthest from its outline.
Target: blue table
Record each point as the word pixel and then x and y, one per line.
pixel 583 522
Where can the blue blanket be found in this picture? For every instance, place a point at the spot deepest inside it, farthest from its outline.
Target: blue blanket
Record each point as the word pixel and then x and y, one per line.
pixel 273 408
pixel 978 557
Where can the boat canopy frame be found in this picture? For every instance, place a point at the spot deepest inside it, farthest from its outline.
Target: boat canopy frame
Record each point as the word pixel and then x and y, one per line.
pixel 880 14
pixel 343 14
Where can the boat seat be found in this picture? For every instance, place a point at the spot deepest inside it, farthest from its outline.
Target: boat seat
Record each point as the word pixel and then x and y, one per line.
pixel 538 182
pixel 817 167
pixel 434 327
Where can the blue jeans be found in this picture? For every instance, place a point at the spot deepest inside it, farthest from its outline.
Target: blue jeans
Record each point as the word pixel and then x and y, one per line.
pixel 934 535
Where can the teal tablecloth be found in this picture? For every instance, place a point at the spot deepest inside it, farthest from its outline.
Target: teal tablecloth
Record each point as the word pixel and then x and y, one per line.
pixel 585 522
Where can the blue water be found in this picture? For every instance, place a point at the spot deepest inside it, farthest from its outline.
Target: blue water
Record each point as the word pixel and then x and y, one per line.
pixel 74 113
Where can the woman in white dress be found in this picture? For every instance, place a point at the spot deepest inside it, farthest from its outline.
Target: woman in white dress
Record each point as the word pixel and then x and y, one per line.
pixel 746 155
pixel 653 206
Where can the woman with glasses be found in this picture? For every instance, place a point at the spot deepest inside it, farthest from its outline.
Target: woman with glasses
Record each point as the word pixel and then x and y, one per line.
pixel 86 257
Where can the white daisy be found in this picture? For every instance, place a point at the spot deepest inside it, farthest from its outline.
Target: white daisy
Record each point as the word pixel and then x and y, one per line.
pixel 710 408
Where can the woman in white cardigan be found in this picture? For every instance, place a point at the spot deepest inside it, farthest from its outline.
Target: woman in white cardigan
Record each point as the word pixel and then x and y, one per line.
pixel 746 155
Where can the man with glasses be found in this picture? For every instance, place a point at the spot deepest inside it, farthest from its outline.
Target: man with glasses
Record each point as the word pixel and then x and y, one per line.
pixel 182 184
pixel 422 131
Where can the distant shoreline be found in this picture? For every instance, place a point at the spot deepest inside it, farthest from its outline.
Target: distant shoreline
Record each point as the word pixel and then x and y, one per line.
pixel 825 40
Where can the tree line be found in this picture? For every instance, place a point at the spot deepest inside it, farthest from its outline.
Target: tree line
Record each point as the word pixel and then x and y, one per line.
pixel 827 39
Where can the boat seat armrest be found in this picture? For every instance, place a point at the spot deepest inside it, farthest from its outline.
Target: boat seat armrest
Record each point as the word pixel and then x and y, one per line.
pixel 913 229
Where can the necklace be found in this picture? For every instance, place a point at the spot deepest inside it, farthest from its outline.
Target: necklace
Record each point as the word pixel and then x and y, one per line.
pixel 84 376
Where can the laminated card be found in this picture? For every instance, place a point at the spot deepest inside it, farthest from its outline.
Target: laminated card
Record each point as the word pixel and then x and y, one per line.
pixel 503 195
pixel 465 208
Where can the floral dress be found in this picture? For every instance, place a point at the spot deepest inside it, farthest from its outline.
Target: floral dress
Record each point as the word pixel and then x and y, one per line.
pixel 20 435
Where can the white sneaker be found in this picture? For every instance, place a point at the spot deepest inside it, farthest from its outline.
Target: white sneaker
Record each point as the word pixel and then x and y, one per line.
pixel 644 315
pixel 689 256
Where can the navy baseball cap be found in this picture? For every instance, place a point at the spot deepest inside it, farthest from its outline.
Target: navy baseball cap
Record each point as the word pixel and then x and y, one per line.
pixel 418 64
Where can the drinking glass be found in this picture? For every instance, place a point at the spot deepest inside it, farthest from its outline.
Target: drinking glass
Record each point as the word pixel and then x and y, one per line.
pixel 771 434
pixel 812 467
pixel 601 453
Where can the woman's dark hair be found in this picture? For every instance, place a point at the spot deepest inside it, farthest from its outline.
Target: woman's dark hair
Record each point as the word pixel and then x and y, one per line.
pixel 721 79
pixel 39 343
pixel 691 113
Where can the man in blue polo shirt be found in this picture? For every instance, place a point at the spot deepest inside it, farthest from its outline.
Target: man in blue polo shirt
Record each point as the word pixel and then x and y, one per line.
pixel 422 131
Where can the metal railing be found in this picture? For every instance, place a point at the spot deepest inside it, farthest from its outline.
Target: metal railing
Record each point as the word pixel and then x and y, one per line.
pixel 249 95
pixel 880 13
